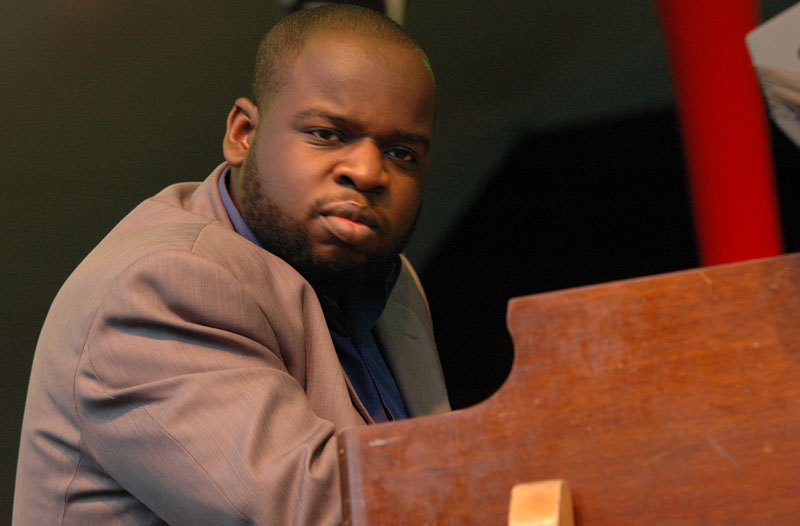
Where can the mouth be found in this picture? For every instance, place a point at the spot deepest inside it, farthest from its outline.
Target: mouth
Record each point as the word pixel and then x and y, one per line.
pixel 350 222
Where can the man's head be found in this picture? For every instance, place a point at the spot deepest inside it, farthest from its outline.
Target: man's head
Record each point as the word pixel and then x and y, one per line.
pixel 329 164
pixel 283 43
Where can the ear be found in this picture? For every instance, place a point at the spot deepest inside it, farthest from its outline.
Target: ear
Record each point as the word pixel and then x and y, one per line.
pixel 242 123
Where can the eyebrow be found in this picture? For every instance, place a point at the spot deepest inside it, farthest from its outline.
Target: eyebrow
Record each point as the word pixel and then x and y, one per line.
pixel 341 121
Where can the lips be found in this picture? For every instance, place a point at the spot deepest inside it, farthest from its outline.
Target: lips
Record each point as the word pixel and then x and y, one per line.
pixel 350 222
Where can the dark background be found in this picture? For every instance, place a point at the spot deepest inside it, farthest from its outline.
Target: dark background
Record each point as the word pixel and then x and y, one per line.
pixel 557 159
pixel 584 205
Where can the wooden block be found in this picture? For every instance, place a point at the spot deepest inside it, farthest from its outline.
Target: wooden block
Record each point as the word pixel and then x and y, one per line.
pixel 545 503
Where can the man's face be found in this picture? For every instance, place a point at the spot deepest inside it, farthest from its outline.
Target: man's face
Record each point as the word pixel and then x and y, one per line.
pixel 333 177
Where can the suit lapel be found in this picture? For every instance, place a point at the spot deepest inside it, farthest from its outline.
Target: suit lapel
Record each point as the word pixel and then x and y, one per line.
pixel 357 403
pixel 410 351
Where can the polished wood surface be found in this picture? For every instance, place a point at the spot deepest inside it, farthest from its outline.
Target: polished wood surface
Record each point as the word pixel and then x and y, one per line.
pixel 671 400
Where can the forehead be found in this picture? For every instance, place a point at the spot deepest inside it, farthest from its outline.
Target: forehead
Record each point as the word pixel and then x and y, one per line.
pixel 360 74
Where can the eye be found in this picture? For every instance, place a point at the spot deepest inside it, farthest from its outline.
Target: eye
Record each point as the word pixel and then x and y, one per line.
pixel 405 155
pixel 326 135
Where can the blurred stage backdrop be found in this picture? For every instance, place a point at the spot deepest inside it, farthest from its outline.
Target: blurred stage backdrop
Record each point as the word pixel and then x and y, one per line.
pixel 557 160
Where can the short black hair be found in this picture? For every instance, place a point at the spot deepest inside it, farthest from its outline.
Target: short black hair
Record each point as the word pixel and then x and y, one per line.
pixel 286 39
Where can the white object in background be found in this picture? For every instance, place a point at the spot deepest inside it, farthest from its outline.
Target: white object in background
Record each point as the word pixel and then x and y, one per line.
pixel 775 50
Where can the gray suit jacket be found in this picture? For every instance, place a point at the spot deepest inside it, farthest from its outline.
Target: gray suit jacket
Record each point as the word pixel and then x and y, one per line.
pixel 186 376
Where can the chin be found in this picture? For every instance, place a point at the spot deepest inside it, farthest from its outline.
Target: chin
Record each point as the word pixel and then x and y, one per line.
pixel 347 268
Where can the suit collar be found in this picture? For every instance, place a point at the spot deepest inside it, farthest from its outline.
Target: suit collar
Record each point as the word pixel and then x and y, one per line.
pixel 206 200
pixel 405 336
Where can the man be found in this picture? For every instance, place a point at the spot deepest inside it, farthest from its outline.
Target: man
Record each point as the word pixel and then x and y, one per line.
pixel 195 368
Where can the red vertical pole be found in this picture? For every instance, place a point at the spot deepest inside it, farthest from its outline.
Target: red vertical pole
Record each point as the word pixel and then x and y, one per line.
pixel 724 126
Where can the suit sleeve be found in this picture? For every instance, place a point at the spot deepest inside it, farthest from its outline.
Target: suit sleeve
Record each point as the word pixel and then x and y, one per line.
pixel 185 401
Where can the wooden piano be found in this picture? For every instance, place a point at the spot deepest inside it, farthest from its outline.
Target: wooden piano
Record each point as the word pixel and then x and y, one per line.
pixel 672 399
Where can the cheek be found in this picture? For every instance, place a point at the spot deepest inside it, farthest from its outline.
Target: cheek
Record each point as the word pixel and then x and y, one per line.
pixel 287 184
pixel 407 203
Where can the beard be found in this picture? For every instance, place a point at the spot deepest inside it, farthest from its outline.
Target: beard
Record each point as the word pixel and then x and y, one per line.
pixel 290 240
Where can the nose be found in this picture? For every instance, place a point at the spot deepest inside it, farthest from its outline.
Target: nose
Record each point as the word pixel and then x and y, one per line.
pixel 362 167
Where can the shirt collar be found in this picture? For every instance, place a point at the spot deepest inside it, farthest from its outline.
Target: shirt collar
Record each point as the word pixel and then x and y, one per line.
pixel 233 213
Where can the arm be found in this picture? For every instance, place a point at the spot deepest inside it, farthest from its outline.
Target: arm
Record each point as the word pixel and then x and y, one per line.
pixel 185 401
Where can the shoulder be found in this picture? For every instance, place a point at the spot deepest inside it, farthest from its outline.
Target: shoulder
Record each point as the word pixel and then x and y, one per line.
pixel 174 244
